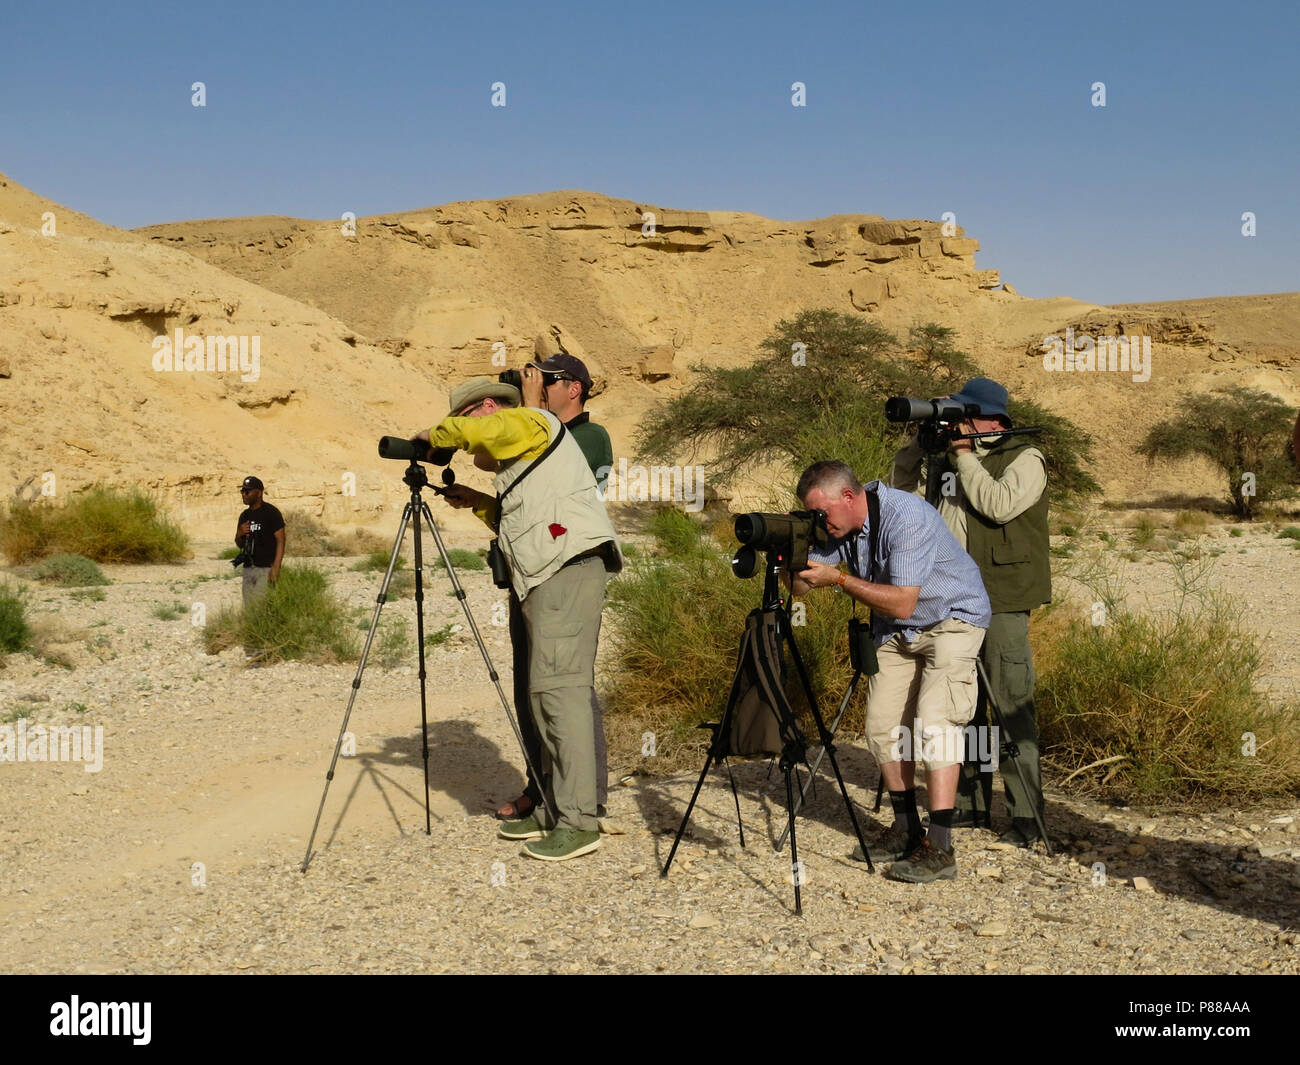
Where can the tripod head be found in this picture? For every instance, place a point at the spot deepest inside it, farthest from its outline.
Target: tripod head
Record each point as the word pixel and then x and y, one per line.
pixel 416 478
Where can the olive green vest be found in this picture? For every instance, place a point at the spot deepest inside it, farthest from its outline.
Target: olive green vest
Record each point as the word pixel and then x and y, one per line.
pixel 1013 558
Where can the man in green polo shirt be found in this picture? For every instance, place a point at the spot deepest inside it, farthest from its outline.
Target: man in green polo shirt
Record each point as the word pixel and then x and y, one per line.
pixel 995 503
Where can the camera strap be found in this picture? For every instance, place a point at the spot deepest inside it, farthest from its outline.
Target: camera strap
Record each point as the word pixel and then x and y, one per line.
pixel 873 541
pixel 531 466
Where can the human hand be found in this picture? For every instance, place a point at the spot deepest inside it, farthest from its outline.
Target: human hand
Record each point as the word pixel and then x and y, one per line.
pixel 959 446
pixel 820 575
pixel 461 496
pixel 534 386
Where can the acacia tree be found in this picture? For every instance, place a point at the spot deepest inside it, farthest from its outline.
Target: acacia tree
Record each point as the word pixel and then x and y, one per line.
pixel 1243 431
pixel 817 390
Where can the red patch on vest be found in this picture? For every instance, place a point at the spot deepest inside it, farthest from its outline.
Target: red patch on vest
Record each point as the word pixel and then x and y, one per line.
pixel 557 530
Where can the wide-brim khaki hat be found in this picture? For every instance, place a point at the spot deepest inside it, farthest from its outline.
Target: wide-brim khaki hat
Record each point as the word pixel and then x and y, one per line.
pixel 482 388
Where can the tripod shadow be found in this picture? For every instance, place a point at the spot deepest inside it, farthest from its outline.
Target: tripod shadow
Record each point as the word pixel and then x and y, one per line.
pixel 663 814
pixel 464 765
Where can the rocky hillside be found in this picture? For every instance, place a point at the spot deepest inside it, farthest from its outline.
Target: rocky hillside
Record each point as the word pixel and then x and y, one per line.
pixel 361 326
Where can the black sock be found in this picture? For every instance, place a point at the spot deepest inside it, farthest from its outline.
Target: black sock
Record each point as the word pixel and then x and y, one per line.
pixel 905 812
pixel 941 829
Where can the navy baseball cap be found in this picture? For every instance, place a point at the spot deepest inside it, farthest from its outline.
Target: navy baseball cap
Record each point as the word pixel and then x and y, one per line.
pixel 566 364
pixel 987 394
pixel 250 482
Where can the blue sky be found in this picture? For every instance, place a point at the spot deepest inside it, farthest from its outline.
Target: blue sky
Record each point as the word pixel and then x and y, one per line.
pixel 980 109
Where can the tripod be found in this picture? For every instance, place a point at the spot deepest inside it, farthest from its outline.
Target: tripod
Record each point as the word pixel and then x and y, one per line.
pixel 862 658
pixel 417 480
pixel 760 657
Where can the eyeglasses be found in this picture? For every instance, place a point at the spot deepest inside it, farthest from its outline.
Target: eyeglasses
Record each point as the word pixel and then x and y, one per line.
pixel 555 378
pixel 470 410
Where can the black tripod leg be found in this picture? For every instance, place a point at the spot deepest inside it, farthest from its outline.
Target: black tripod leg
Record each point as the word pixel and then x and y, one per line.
pixel 419 643
pixel 740 824
pixel 835 727
pixel 717 751
pixel 828 745
pixel 795 871
pixel 689 807
pixel 1035 801
pixel 356 682
pixel 880 792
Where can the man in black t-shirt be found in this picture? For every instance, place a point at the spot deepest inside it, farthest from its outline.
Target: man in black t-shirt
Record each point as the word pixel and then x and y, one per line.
pixel 261 531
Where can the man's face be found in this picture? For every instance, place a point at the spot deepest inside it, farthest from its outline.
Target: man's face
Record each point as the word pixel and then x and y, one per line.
pixel 558 389
pixel 986 425
pixel 845 509
pixel 252 496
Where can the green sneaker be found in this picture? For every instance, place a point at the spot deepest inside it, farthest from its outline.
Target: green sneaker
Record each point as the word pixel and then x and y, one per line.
pixel 561 844
pixel 522 828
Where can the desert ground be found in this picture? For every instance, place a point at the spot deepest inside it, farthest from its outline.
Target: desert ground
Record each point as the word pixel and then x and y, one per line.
pixel 184 852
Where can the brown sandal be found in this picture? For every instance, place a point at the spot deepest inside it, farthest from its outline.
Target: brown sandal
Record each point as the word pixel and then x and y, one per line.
pixel 520 807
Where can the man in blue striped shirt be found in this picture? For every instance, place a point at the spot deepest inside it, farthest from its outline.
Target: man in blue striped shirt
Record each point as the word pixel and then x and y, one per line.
pixel 929 612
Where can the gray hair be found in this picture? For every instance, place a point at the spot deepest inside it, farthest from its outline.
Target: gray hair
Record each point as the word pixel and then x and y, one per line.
pixel 831 476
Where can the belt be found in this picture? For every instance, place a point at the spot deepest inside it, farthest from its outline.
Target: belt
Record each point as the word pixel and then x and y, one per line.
pixel 594 552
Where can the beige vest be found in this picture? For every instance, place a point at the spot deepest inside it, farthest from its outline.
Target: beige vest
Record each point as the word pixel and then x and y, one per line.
pixel 553 515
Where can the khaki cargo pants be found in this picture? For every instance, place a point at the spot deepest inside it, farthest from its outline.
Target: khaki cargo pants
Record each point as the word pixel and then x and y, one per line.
pixel 563 619
pixel 921 700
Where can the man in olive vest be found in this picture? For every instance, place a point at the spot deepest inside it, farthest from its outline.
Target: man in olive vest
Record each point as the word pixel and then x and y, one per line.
pixel 994 499
pixel 560 545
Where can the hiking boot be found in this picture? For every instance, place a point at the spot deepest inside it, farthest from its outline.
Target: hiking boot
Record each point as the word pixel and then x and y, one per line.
pixel 523 828
pixel 561 844
pixel 925 864
pixel 890 845
pixel 1023 833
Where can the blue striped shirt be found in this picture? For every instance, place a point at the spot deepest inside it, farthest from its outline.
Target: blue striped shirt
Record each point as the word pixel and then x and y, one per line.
pixel 915 548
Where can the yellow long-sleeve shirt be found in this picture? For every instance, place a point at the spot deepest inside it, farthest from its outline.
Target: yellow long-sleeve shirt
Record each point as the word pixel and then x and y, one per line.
pixel 508 434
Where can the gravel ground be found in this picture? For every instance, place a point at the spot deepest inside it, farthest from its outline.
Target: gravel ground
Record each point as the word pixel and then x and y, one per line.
pixel 183 854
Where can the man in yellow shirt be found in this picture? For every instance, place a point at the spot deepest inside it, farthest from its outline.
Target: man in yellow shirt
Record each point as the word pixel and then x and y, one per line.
pixel 560 545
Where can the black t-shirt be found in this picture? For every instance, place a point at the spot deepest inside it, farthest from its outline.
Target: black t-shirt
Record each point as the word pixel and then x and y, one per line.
pixel 263 523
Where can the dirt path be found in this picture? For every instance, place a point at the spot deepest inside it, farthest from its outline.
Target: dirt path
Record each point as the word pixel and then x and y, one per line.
pixel 207 761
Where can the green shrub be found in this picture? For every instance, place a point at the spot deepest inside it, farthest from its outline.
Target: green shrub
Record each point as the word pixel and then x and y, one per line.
pixel 461 559
pixel 377 562
pixel 1235 532
pixel 104 524
pixel 176 610
pixel 1291 532
pixel 15 633
pixel 675 532
pixel 69 571
pixel 1144 531
pixel 1192 522
pixel 297 618
pixel 306 536
pixel 228 554
pixel 1158 707
pixel 88 595
pixel 394 646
